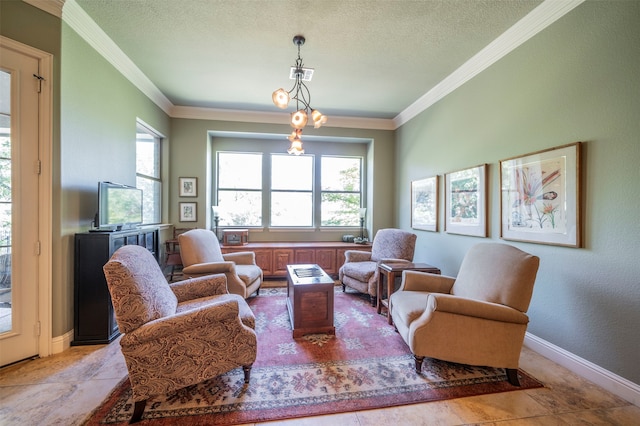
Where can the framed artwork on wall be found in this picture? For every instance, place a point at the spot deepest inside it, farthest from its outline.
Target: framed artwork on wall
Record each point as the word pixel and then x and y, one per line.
pixel 466 201
pixel 424 204
pixel 188 187
pixel 188 212
pixel 540 197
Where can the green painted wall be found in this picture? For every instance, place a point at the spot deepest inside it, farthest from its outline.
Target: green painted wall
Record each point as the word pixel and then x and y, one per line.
pixel 575 81
pixel 98 128
pixel 191 153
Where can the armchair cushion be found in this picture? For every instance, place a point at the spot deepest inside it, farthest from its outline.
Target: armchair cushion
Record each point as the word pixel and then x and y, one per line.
pixel 361 271
pixel 198 247
pixel 497 273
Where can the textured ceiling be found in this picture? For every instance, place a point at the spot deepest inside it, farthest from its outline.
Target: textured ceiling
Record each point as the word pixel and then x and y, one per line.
pixel 372 58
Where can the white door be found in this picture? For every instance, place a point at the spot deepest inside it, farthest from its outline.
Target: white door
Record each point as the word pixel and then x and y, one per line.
pixel 19 205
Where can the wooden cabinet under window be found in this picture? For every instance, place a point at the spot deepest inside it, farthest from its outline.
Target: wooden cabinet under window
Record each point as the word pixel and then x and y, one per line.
pixel 273 258
pixel 94 319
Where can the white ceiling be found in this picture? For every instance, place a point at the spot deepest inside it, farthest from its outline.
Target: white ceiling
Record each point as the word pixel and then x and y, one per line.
pixel 372 58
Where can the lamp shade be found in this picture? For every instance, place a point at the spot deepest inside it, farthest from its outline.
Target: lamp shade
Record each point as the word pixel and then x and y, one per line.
pixel 296 147
pixel 299 119
pixel 363 212
pixel 280 98
pixel 318 118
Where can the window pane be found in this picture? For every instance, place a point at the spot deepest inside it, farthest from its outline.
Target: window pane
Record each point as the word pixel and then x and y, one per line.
pixel 151 191
pixel 148 155
pixel 239 170
pixel 340 209
pixel 240 208
pixel 148 176
pixel 291 209
pixel 292 172
pixel 340 174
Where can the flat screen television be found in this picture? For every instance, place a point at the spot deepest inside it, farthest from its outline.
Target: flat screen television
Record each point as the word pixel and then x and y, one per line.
pixel 119 206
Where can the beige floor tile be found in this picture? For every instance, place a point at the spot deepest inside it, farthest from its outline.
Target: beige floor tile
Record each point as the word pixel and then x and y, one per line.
pixel 439 413
pixel 345 419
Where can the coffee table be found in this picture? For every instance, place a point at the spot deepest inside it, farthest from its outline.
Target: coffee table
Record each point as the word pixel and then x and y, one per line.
pixel 391 270
pixel 310 300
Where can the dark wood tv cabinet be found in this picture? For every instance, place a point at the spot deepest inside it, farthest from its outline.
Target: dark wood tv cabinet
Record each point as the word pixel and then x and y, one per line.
pixel 94 320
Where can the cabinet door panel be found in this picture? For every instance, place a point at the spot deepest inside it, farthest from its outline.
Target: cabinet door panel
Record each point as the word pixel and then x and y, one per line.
pixel 305 256
pixel 263 260
pixel 282 258
pixel 326 259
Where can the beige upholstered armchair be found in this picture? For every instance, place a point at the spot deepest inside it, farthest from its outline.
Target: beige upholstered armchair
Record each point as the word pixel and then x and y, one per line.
pixel 360 270
pixel 213 329
pixel 478 318
pixel 201 255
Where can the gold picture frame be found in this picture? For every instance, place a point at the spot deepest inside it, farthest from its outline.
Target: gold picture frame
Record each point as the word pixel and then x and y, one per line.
pixel 540 197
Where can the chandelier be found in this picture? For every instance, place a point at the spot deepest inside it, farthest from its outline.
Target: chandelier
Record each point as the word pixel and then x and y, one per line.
pixel 299 93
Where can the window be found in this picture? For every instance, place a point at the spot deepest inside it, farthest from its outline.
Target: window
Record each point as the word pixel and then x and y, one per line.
pixel 240 188
pixel 148 176
pixel 341 191
pixel 291 190
pixel 272 189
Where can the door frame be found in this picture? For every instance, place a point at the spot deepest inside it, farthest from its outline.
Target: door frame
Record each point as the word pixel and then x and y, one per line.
pixel 45 190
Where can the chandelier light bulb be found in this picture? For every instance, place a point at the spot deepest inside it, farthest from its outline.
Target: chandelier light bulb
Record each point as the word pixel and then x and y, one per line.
pixel 318 118
pixel 299 119
pixel 296 147
pixel 280 98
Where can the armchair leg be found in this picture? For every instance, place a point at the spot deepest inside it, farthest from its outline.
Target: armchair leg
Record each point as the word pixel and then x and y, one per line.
pixel 512 376
pixel 419 360
pixel 137 411
pixel 344 287
pixel 247 373
pixel 374 300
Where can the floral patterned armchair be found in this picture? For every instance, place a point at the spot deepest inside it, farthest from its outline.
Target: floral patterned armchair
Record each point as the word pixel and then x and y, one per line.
pixel 212 328
pixel 360 270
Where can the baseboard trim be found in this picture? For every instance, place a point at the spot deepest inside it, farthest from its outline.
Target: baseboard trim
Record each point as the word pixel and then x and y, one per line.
pixel 61 343
pixel 612 382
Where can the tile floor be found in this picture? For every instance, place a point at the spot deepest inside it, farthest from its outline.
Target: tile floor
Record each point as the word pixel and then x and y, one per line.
pixel 63 389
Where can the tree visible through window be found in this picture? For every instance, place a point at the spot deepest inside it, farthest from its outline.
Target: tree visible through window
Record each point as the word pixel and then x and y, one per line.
pixel 148 174
pixel 295 191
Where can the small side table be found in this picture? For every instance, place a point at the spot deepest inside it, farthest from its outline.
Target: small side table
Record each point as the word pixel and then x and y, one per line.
pixel 391 270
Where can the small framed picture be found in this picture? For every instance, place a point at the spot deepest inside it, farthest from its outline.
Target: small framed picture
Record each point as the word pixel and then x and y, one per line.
pixel 188 187
pixel 188 212
pixel 424 204
pixel 540 197
pixel 466 201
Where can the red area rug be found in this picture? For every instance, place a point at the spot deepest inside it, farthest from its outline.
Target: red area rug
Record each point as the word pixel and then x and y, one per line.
pixel 365 365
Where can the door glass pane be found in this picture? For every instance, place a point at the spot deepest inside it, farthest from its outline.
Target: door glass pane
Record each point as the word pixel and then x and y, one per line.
pixel 5 202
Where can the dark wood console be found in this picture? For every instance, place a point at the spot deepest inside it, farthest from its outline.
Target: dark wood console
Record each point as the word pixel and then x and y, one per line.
pixel 94 319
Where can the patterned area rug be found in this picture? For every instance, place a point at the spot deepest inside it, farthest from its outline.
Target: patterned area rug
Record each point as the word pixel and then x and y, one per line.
pixel 365 365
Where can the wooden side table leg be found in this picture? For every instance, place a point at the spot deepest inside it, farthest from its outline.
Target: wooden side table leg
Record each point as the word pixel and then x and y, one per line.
pixel 379 292
pixel 391 284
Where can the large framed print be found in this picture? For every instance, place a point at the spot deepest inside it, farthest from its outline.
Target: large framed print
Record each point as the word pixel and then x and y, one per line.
pixel 424 204
pixel 540 197
pixel 466 201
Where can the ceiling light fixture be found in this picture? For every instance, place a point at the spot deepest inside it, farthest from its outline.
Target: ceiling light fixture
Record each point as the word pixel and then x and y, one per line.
pixel 300 93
